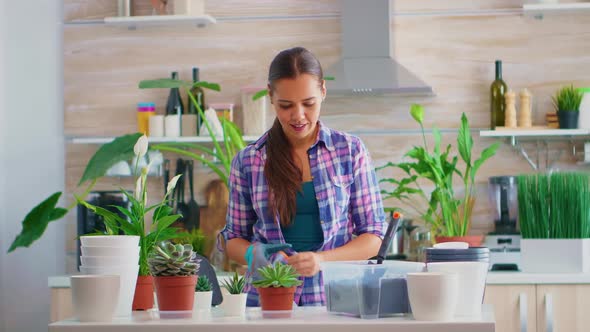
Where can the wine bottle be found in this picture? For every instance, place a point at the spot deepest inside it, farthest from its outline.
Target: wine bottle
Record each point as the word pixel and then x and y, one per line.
pixel 497 91
pixel 174 105
pixel 199 95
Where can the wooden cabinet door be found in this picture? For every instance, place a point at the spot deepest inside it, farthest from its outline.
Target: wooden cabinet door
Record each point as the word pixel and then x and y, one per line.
pixel 514 307
pixel 563 308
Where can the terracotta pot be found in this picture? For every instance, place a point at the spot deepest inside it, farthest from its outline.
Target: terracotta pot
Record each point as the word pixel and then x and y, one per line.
pixel 144 293
pixel 473 240
pixel 276 298
pixel 175 293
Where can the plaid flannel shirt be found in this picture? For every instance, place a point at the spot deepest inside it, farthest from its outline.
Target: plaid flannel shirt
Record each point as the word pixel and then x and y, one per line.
pixel 347 192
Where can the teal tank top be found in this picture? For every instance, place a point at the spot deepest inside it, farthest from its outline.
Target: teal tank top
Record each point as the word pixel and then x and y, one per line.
pixel 305 232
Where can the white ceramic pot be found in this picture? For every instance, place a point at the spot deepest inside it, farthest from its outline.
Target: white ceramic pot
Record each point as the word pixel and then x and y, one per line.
pixel 96 261
pixel 203 301
pixel 234 304
pixel 109 251
pixel 433 296
pixel 472 283
pixel 94 297
pixel 126 241
pixel 128 279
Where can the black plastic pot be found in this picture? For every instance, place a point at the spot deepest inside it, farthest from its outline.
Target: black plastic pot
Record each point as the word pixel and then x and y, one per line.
pixel 568 119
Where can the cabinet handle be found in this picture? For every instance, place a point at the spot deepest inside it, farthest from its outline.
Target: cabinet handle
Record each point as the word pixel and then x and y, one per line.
pixel 549 313
pixel 522 301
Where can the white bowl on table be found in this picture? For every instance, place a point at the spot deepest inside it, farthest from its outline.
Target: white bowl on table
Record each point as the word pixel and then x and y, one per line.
pixel 472 283
pixel 128 279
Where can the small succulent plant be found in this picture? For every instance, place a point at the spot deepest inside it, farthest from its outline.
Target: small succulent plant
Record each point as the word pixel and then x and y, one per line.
pixel 235 285
pixel 277 275
pixel 203 284
pixel 167 259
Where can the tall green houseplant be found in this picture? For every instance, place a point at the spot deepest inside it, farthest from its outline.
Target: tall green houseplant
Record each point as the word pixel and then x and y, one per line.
pixel 122 149
pixel 447 212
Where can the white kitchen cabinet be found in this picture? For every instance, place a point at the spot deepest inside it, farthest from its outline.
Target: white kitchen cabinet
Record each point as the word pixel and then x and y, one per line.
pixel 514 307
pixel 563 308
pixel 540 307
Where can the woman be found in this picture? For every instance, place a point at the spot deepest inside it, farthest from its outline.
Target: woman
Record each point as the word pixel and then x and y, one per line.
pixel 302 184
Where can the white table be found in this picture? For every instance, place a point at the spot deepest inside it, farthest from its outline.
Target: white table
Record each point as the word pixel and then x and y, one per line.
pixel 304 319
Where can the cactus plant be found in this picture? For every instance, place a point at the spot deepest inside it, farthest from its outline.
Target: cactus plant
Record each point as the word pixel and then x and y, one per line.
pixel 203 284
pixel 168 259
pixel 235 285
pixel 277 275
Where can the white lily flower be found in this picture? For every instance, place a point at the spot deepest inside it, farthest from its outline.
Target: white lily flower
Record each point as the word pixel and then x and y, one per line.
pixel 138 189
pixel 140 148
pixel 145 170
pixel 172 184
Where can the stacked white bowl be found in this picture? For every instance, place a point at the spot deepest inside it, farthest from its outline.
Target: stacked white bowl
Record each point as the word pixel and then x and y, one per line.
pixel 113 255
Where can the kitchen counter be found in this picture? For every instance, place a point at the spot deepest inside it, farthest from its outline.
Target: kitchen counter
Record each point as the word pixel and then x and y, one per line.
pixel 309 319
pixel 494 278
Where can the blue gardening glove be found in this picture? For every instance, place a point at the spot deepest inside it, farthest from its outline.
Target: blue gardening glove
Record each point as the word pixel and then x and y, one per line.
pixel 260 254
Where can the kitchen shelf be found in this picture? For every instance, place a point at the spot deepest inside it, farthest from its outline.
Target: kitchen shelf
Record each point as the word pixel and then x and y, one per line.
pixel 540 10
pixel 534 132
pixel 133 22
pixel 184 139
pixel 541 137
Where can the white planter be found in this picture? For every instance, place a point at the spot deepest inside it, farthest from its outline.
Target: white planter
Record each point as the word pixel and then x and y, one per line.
pixel 555 255
pixel 127 241
pixel 234 304
pixel 110 251
pixel 189 7
pixel 203 301
pixel 128 280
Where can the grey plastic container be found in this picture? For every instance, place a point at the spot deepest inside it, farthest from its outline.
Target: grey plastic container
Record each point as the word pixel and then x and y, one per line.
pixel 369 291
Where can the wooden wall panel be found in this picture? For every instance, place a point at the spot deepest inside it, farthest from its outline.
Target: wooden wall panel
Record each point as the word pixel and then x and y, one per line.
pixel 450 45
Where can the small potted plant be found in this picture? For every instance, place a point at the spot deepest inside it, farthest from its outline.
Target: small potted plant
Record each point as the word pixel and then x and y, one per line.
pixel 234 303
pixel 174 269
pixel 276 288
pixel 203 294
pixel 567 104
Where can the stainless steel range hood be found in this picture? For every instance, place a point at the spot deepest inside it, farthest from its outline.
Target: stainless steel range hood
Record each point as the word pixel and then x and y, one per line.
pixel 367 65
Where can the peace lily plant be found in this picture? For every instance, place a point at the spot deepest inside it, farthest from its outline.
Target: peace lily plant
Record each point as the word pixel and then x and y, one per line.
pixel 446 211
pixel 124 148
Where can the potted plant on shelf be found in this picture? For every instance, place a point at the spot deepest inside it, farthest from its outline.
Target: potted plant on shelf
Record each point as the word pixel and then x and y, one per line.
pixel 234 303
pixel 276 288
pixel 174 268
pixel 203 294
pixel 447 211
pixel 554 222
pixel 567 104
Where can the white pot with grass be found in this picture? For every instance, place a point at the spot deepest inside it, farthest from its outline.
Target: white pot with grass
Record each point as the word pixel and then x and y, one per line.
pixel 554 222
pixel 234 301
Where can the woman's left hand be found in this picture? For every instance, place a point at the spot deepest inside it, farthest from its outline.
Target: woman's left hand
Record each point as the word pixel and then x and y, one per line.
pixel 306 263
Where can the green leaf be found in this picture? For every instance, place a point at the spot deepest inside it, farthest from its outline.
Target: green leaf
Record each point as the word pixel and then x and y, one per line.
pixel 164 83
pixel 437 140
pixel 417 112
pixel 36 221
pixel 260 94
pixel 486 154
pixel 329 78
pixel 121 148
pixel 207 85
pixel 464 140
pixel 166 221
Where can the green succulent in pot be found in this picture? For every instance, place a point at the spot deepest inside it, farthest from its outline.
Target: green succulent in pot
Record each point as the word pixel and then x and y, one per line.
pixel 235 285
pixel 277 275
pixel 168 259
pixel 203 284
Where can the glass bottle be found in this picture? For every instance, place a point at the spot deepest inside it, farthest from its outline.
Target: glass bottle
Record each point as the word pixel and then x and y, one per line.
pixel 497 92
